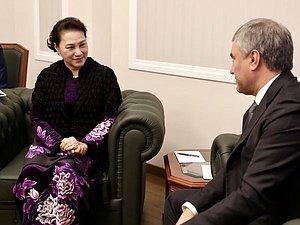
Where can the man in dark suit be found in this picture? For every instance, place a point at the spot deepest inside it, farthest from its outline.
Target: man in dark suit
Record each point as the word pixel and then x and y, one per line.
pixel 260 184
pixel 3 71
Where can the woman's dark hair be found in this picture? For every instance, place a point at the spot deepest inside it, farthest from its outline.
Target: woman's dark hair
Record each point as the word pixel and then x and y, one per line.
pixel 68 23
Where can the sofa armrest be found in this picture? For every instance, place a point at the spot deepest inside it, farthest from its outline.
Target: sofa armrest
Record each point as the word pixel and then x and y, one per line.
pixel 136 136
pixel 140 119
pixel 13 124
pixel 221 149
pixel 25 94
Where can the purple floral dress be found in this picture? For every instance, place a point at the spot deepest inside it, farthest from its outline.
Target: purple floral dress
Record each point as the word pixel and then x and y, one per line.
pixel 57 202
pixel 52 186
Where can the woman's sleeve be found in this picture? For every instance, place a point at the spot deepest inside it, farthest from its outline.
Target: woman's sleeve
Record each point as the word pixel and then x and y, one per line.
pixel 45 133
pixel 113 100
pixel 96 136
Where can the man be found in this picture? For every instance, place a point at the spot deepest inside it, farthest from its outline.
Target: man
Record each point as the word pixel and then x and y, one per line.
pixel 3 71
pixel 261 181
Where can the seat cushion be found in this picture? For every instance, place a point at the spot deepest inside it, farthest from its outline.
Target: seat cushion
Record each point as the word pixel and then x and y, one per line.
pixel 9 175
pixel 293 222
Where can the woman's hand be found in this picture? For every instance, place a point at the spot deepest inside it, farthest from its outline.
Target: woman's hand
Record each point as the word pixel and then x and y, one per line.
pixel 73 147
pixel 68 144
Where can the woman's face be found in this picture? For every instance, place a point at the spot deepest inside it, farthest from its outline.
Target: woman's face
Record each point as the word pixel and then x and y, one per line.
pixel 73 48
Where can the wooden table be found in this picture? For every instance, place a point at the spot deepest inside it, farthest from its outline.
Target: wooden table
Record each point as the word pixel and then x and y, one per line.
pixel 175 179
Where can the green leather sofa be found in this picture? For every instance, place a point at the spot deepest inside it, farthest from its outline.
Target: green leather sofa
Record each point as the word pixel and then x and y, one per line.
pixel 118 194
pixel 221 149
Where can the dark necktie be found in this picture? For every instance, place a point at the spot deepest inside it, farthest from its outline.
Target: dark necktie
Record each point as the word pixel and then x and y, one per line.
pixel 251 111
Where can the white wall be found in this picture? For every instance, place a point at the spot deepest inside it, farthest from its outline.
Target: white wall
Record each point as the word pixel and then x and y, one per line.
pixel 196 110
pixel 16 22
pixel 17 25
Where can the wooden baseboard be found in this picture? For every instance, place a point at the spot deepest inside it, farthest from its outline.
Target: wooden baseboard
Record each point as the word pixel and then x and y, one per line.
pixel 155 170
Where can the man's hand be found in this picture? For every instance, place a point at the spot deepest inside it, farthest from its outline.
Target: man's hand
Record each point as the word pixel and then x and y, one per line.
pixel 185 216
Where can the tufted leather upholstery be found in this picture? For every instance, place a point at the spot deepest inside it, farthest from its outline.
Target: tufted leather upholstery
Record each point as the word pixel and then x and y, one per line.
pixel 116 196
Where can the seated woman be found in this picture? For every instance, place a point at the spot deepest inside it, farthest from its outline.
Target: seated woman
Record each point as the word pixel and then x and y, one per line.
pixel 74 104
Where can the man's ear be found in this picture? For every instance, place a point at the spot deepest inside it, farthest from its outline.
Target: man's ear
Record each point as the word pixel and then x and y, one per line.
pixel 254 59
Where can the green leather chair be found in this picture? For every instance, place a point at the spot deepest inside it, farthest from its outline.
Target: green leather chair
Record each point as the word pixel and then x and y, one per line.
pixel 221 149
pixel 117 195
pixel 16 59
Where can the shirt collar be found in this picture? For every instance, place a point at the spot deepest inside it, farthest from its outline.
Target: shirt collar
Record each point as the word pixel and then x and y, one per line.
pixel 261 93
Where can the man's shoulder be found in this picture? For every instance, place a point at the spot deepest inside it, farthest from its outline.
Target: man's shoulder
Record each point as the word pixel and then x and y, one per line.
pixel 288 86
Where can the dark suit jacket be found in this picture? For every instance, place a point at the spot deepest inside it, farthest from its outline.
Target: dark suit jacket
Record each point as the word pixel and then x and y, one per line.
pixel 261 181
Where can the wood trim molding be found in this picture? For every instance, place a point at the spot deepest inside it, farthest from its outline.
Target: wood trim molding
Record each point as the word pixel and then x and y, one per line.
pixel 24 60
pixel 155 170
pixel 136 62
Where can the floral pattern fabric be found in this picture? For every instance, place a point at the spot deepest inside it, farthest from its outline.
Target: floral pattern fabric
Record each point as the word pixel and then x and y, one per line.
pixel 56 204
pixel 57 201
pixel 98 133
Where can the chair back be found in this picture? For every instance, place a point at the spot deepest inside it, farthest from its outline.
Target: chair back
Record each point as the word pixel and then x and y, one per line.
pixel 221 149
pixel 16 59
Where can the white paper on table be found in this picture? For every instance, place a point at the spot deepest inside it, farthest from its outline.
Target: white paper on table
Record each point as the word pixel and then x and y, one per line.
pixel 206 172
pixel 189 156
pixel 2 94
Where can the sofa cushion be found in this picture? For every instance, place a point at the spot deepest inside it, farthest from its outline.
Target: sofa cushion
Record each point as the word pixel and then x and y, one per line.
pixel 9 176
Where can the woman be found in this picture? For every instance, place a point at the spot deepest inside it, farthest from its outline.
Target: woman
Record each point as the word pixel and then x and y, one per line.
pixel 74 104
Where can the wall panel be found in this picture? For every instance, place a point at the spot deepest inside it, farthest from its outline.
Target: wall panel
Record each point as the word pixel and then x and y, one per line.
pixel 192 38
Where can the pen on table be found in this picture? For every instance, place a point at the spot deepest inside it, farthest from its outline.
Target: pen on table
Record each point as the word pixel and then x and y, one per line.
pixel 186 154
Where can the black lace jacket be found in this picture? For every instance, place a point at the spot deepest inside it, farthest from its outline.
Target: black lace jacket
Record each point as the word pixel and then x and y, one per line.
pixel 98 97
